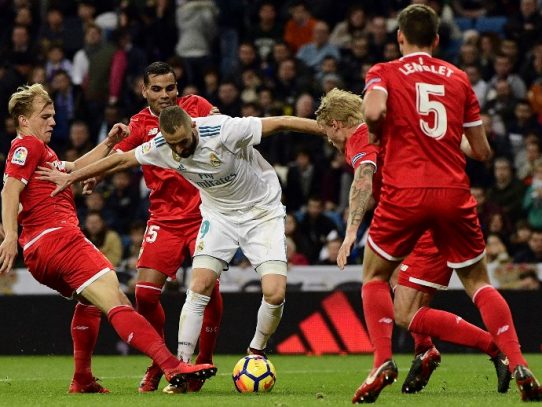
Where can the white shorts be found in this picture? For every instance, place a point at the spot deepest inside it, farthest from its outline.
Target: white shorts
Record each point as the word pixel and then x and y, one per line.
pixel 261 239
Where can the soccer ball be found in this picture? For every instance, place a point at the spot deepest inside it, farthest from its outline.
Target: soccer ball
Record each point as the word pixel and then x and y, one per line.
pixel 254 373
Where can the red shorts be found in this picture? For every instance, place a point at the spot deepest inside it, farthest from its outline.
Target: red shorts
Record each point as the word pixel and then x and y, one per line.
pixel 425 269
pixel 165 245
pixel 403 215
pixel 65 260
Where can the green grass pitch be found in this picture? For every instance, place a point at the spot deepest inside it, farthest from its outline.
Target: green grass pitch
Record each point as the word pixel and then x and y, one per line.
pixel 461 380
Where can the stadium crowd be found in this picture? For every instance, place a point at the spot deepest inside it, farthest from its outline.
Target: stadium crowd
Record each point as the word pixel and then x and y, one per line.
pixel 263 58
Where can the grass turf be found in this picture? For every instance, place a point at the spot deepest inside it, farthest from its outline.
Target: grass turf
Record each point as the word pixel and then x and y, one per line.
pixel 461 380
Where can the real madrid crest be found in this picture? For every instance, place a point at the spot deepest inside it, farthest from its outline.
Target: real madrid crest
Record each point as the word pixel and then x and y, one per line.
pixel 176 156
pixel 215 161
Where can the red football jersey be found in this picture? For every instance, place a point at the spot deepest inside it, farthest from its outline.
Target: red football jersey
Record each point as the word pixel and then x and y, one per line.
pixel 39 210
pixel 172 197
pixel 359 150
pixel 429 103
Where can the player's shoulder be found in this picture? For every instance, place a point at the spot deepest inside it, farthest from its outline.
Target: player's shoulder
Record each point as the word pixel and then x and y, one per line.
pixel 360 136
pixel 212 120
pixel 29 142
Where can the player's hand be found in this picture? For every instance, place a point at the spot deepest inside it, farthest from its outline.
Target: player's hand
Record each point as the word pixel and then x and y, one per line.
pixel 51 174
pixel 89 185
pixel 344 251
pixel 118 132
pixel 8 254
pixel 214 110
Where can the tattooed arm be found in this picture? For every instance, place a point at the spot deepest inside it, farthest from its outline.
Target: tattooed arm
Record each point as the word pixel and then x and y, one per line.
pixel 361 192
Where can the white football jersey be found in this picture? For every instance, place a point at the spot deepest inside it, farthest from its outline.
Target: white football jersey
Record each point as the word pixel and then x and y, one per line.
pixel 230 174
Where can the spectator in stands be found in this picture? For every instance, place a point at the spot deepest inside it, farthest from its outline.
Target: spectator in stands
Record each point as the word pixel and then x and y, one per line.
pixel 503 71
pixel 57 30
pixel 486 208
pixel 519 240
pixel 91 70
pixel 300 27
pixel 288 84
pixel 529 160
pixel 111 116
pixel 501 101
pixel 354 25
pixel 79 138
pixel 489 45
pixel 123 198
pixel 107 241
pixel 353 58
pixel 533 254
pixel 247 58
pixel 313 53
pixel 532 202
pixel 391 51
pixel 128 61
pixel 197 24
pixel 378 36
pixel 331 252
pixel 531 71
pixel 479 86
pixel 20 47
pixel 292 231
pixel 94 202
pixel 303 181
pixel 229 102
pixel 510 48
pixel 317 227
pixel 56 61
pixel 524 121
pixel 525 26
pixel 497 254
pixel 37 75
pixel 69 105
pixel 268 30
pixel 508 191
pixel 294 257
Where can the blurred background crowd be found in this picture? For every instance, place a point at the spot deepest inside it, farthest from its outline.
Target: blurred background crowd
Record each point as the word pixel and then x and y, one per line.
pixel 261 58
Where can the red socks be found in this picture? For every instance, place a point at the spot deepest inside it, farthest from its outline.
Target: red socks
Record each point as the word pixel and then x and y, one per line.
pixel 452 328
pixel 210 327
pixel 84 330
pixel 378 312
pixel 498 320
pixel 148 304
pixel 138 332
pixel 422 343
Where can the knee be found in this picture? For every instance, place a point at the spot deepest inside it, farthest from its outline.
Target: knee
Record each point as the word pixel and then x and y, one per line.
pixel 202 286
pixel 275 297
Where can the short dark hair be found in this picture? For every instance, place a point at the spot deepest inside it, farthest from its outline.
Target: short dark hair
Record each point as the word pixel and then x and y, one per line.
pixel 173 117
pixel 157 68
pixel 419 24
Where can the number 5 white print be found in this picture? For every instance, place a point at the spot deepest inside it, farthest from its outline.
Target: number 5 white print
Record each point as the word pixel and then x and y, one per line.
pixel 426 106
pixel 151 233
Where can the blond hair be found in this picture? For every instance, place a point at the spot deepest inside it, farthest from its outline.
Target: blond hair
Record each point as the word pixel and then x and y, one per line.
pixel 21 103
pixel 342 106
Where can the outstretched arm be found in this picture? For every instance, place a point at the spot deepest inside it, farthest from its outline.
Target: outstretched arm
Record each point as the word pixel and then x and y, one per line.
pixel 361 192
pixel 113 163
pixel 10 208
pixel 272 125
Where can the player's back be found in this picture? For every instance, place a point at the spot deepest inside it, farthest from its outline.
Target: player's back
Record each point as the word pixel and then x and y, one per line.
pixel 429 102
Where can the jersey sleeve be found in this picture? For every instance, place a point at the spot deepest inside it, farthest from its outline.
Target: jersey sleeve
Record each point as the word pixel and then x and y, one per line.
pixel 23 158
pixel 376 79
pixel 136 137
pixel 195 106
pixel 150 152
pixel 472 109
pixel 361 151
pixel 241 132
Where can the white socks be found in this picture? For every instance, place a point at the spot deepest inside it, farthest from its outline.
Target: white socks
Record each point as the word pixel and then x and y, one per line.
pixel 190 323
pixel 268 320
